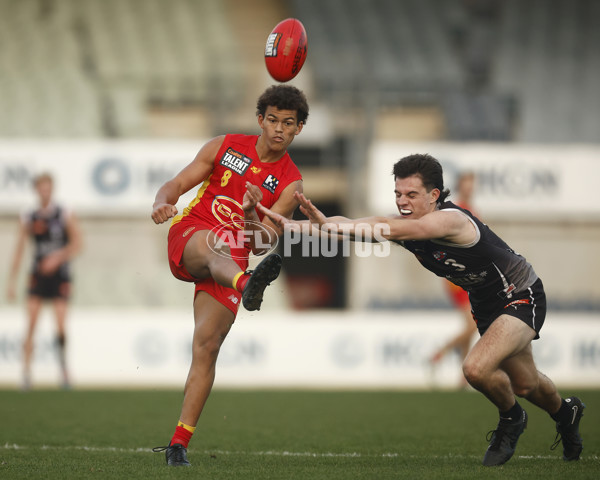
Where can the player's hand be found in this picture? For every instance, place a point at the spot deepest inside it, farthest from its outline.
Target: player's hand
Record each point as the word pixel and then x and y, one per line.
pixel 50 263
pixel 252 196
pixel 307 208
pixel 163 212
pixel 279 220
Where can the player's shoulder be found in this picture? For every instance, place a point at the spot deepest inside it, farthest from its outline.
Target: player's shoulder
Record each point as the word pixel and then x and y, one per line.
pixel 240 139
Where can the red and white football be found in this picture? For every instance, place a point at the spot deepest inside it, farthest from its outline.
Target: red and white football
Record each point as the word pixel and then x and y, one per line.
pixel 285 51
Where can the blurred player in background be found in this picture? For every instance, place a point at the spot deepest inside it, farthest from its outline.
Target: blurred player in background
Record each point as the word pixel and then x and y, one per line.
pixel 57 239
pixel 461 343
pixel 507 297
pixel 235 173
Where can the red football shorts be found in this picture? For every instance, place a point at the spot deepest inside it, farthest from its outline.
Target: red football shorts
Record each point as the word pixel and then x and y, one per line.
pixel 179 234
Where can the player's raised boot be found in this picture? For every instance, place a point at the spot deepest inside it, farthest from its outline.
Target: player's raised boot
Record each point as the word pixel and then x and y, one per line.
pixel 568 431
pixel 264 273
pixel 175 454
pixel 503 441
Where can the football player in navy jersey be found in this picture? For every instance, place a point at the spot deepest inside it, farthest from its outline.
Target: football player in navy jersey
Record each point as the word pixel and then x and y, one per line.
pixel 55 234
pixel 507 297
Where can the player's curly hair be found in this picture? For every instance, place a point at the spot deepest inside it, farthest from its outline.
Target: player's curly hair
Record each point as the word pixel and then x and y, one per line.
pixel 283 97
pixel 426 167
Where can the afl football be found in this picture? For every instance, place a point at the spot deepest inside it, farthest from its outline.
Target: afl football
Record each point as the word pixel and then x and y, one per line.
pixel 285 51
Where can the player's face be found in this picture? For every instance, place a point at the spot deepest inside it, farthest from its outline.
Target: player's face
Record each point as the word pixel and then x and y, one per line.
pixel 279 127
pixel 44 190
pixel 412 198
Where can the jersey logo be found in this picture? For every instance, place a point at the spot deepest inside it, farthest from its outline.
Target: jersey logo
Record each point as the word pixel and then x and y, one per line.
pixel 227 211
pixel 255 170
pixel 270 183
pixel 439 256
pixel 235 161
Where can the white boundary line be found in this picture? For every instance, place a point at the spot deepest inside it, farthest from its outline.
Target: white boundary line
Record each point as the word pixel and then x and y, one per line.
pixel 272 453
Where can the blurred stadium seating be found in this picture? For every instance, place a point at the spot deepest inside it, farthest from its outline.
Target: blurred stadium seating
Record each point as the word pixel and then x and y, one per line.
pixel 89 68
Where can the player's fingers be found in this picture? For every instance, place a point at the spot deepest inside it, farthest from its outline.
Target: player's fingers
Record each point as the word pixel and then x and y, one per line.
pixel 254 191
pixel 262 208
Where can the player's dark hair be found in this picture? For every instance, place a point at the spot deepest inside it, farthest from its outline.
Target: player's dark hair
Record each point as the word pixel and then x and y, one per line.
pixel 283 97
pixel 426 167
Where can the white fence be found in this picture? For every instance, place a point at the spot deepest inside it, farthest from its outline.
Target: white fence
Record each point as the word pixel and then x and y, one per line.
pixel 282 349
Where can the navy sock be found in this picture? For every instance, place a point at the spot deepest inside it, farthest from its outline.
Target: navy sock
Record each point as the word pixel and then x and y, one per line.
pixel 513 414
pixel 564 412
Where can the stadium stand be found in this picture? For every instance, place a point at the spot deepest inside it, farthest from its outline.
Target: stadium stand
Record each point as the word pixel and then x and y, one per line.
pixel 89 68
pixel 547 58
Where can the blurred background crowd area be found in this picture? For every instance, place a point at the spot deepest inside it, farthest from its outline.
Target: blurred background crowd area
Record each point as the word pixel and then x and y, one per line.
pixel 510 71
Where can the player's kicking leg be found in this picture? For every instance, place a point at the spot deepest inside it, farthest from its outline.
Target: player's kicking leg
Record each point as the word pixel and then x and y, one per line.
pixel 202 262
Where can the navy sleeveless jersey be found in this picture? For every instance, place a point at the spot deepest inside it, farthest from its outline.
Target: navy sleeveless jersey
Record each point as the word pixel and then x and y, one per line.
pixel 49 232
pixel 488 269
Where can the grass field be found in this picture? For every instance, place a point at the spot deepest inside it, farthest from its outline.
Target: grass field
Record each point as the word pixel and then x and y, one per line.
pixel 278 435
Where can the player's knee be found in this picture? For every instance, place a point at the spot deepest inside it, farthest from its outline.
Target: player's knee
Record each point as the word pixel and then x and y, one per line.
pixel 473 372
pixel 207 347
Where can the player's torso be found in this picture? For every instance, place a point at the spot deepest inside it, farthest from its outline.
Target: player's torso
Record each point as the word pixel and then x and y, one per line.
pixel 487 268
pixel 219 199
pixel 48 230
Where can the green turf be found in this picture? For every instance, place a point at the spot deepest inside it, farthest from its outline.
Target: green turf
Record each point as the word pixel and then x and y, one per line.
pixel 278 435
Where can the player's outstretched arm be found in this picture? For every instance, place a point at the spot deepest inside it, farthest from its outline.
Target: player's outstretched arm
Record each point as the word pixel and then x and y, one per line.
pixel 193 174
pixel 451 226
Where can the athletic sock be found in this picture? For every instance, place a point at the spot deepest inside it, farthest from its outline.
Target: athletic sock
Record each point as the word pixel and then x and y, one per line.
pixel 183 434
pixel 240 281
pixel 513 414
pixel 564 412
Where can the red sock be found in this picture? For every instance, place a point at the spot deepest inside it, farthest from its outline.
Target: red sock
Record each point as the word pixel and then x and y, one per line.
pixel 240 281
pixel 181 436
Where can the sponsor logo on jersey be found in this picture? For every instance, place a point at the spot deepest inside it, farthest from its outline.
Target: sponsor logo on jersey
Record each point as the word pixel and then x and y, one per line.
pixel 439 256
pixel 255 170
pixel 469 279
pixel 235 161
pixel 227 211
pixel 270 183
pixel 272 44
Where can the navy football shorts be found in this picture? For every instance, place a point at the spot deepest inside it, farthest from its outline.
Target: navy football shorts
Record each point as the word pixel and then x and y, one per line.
pixel 529 306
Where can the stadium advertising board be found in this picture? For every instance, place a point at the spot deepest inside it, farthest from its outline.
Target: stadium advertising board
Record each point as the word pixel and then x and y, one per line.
pixel 92 178
pixel 130 348
pixel 121 177
pixel 529 182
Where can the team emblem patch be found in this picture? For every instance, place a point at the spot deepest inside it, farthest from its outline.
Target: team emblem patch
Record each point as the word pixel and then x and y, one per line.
pixel 270 183
pixel 235 161
pixel 439 256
